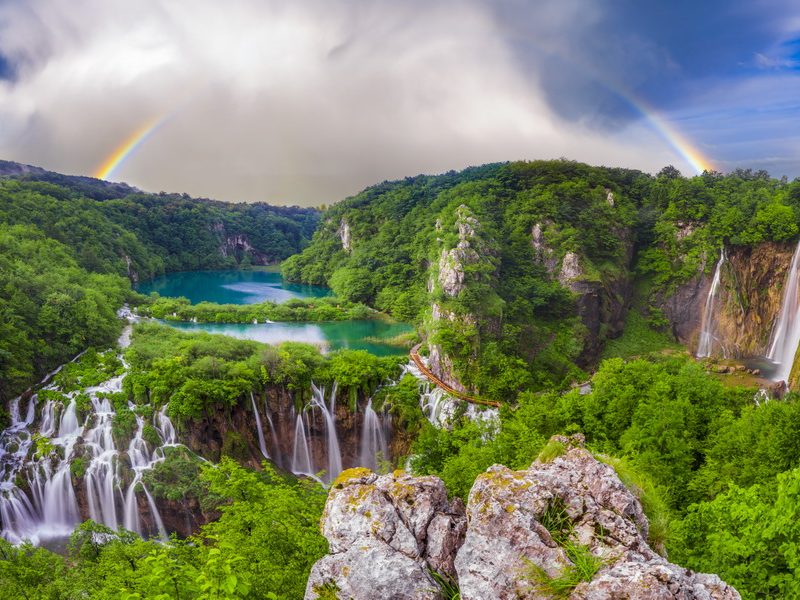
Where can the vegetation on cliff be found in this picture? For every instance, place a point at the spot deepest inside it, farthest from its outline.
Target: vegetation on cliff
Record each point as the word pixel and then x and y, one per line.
pixel 561 245
pixel 262 546
pixel 198 374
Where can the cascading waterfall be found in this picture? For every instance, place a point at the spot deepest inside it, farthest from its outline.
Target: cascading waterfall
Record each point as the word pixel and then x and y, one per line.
pixel 46 506
pixel 331 436
pixel 373 440
pixel 301 455
pixel 262 444
pixel 786 333
pixel 706 343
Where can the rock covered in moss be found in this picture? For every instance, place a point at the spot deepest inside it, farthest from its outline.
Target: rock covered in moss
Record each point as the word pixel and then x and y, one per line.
pixel 567 526
pixel 528 529
pixel 387 534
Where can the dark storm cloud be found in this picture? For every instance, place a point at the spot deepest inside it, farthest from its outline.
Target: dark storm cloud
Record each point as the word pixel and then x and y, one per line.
pixel 310 101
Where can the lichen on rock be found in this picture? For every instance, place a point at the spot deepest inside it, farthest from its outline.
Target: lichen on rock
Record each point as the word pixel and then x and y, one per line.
pixel 387 534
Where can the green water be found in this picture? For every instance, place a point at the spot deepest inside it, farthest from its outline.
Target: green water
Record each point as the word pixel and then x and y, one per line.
pixel 331 335
pixel 251 287
pixel 230 287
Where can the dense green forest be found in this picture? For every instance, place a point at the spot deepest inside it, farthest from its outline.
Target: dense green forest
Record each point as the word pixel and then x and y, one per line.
pixel 514 326
pixel 717 470
pixel 69 255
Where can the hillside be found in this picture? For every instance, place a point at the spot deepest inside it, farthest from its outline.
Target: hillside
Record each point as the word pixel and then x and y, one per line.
pixel 68 259
pixel 518 274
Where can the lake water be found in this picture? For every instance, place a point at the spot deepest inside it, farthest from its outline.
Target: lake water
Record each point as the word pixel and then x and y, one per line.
pixel 331 335
pixel 230 287
pixel 251 287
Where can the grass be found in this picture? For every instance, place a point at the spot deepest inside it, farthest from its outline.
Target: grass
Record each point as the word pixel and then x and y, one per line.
pixel 653 503
pixel 638 339
pixel 447 587
pixel 583 568
pixel 552 450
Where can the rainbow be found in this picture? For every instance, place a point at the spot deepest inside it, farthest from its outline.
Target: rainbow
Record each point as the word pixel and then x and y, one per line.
pixel 669 132
pixel 127 148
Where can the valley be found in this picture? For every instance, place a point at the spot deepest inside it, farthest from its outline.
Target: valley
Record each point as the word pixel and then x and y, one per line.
pixel 540 315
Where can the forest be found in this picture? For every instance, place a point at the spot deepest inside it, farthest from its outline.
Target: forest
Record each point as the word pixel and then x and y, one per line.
pixel 471 260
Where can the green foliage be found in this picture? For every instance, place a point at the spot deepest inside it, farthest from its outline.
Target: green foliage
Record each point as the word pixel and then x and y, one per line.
pixel 551 451
pixel 197 374
pixel 262 546
pixel 310 309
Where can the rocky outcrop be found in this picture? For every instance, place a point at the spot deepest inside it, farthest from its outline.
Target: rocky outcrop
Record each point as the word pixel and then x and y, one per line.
pixel 345 236
pixel 387 534
pixel 473 259
pixel 524 530
pixel 526 527
pixel 601 303
pixel 748 302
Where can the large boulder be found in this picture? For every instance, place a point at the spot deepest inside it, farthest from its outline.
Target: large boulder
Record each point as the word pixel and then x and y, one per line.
pixel 527 532
pixel 527 529
pixel 388 535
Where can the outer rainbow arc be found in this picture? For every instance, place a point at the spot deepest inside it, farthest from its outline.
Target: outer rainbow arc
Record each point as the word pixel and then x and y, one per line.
pixel 128 147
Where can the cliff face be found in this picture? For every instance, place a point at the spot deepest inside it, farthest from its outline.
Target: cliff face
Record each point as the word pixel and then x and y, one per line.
pixel 523 530
pixel 471 261
pixel 747 304
pixel 601 301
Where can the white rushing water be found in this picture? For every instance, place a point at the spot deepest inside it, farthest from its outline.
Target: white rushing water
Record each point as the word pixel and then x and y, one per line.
pixel 707 338
pixel 45 506
pixel 786 333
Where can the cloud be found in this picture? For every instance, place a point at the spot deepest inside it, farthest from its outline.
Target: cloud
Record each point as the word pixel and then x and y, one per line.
pixel 307 102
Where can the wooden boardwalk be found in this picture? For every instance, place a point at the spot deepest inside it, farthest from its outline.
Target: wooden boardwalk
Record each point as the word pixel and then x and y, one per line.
pixel 441 384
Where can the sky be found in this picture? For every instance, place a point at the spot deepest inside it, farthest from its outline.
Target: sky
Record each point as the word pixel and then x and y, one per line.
pixel 309 101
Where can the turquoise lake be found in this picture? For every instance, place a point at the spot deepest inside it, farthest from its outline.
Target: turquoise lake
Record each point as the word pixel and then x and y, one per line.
pixel 230 287
pixel 251 287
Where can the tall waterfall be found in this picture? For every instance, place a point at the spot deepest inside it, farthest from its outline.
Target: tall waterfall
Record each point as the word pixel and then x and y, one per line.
pixel 373 440
pixel 786 333
pixel 707 327
pixel 46 505
pixel 262 444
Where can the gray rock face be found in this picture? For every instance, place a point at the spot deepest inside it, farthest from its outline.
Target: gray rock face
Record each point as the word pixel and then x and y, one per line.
pixel 345 236
pixel 386 534
pixel 508 549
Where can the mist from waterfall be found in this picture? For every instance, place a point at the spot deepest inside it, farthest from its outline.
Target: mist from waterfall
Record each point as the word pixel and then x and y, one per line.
pixel 786 333
pixel 707 338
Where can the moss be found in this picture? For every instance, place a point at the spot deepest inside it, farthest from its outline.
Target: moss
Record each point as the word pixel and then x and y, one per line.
pixel 552 450
pixel 348 474
pixel 234 445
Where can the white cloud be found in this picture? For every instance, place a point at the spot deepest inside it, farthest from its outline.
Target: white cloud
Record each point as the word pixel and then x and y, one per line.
pixel 286 102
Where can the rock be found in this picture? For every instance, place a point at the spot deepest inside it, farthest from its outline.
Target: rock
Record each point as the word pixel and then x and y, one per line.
pixel 345 236
pixel 748 302
pixel 386 534
pixel 570 269
pixel 509 550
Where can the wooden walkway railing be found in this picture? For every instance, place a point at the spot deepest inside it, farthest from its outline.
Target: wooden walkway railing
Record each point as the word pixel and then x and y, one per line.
pixel 441 384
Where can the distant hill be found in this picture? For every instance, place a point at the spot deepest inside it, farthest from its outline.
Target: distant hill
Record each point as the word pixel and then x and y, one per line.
pixel 97 189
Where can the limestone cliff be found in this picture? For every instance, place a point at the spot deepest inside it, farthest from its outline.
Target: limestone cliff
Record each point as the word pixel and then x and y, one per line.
pixel 747 304
pixel 389 534
pixel 471 260
pixel 602 298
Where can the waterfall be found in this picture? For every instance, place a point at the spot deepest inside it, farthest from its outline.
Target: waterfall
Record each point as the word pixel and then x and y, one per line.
pixel 786 334
pixel 46 505
pixel 706 343
pixel 373 440
pixel 262 444
pixel 273 436
pixel 331 437
pixel 301 457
